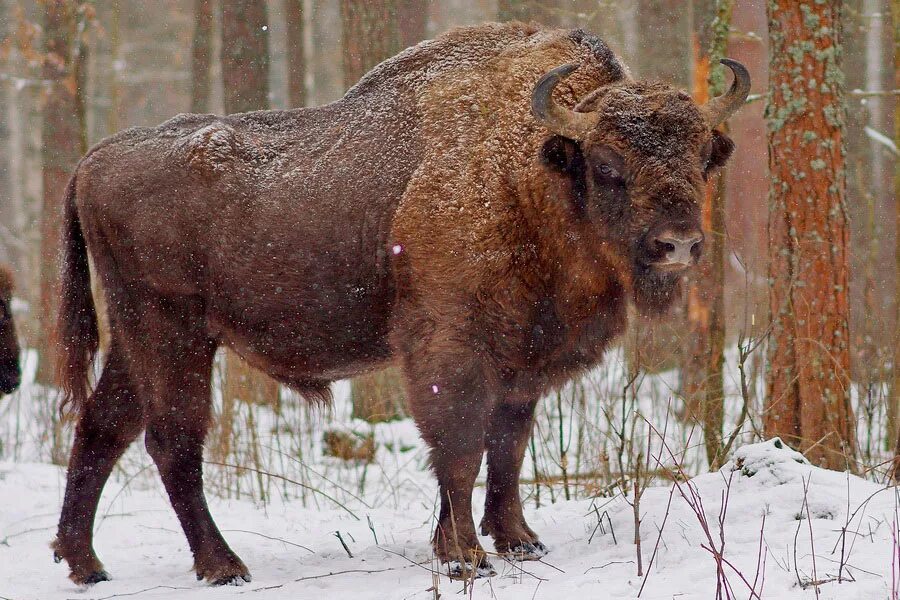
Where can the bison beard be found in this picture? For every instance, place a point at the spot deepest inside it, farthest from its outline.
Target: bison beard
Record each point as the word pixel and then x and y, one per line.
pixel 654 291
pixel 415 221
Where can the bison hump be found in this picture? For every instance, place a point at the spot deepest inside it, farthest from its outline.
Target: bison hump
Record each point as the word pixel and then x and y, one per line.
pixel 211 149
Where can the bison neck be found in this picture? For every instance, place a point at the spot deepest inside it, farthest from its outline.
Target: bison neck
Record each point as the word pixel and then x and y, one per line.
pixel 561 330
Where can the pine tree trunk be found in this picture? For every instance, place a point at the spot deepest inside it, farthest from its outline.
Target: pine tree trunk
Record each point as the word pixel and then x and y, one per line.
pixel 702 370
pixel 245 76
pixel 6 215
pixel 665 36
pixel 808 383
pixel 412 19
pixel 245 55
pixel 894 399
pixel 296 53
pixel 201 53
pixel 546 12
pixel 62 144
pixel 371 34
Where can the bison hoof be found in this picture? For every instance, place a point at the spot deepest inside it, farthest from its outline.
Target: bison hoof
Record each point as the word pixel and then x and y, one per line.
pixel 91 578
pixel 466 570
pixel 528 551
pixel 232 580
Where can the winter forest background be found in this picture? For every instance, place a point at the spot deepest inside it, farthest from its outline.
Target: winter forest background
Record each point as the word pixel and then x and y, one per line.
pixel 789 328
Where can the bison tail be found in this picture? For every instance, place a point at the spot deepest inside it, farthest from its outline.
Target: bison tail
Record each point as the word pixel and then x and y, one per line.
pixel 77 337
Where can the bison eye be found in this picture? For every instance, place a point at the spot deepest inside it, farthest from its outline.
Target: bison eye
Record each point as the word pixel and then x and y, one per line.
pixel 608 172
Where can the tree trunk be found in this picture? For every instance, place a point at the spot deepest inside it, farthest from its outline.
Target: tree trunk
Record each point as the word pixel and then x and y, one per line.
pixel 371 34
pixel 245 77
pixel 245 55
pixel 665 33
pixel 546 12
pixel 296 53
pixel 894 399
pixel 412 20
pixel 201 53
pixel 7 252
pixel 702 370
pixel 808 383
pixel 63 141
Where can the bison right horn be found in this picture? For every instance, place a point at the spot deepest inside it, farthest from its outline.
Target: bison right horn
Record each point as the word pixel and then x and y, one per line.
pixel 717 109
pixel 559 120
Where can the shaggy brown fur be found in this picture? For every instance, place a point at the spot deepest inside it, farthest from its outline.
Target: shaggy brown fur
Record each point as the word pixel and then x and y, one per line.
pixel 10 372
pixel 425 218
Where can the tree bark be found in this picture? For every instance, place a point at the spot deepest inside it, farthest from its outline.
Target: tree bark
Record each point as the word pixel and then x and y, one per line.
pixel 412 18
pixel 702 370
pixel 245 55
pixel 546 12
pixel 296 53
pixel 245 76
pixel 665 30
pixel 808 383
pixel 894 399
pixel 201 53
pixel 371 33
pixel 63 141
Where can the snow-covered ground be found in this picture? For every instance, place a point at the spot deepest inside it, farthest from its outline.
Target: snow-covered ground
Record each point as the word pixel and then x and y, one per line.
pixel 786 524
pixel 293 551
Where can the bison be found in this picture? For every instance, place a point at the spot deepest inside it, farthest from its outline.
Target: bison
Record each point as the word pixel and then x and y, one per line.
pixel 470 210
pixel 10 372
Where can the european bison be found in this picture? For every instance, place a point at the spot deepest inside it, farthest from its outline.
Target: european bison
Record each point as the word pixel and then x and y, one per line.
pixel 451 213
pixel 10 372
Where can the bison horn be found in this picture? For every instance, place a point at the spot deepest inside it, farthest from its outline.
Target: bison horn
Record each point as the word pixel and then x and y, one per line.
pixel 721 107
pixel 559 120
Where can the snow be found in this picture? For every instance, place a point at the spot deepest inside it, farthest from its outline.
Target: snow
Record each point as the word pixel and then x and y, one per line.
pixel 293 551
pixel 290 546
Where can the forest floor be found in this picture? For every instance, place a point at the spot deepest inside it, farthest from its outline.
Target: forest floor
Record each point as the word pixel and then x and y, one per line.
pixel 786 525
pixel 767 525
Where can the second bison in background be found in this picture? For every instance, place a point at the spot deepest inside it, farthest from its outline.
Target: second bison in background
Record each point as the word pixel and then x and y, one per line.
pixel 10 371
pixel 470 210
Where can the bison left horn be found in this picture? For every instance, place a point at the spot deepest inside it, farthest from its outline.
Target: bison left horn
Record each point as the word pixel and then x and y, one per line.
pixel 559 120
pixel 717 109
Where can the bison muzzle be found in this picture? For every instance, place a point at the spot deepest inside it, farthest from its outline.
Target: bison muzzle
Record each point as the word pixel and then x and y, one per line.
pixel 470 210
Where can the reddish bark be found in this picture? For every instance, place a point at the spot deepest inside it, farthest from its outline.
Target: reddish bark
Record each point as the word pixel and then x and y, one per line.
pixel 808 384
pixel 62 144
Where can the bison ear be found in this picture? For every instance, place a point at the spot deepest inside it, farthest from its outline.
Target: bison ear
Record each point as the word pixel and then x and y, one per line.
pixel 561 154
pixel 565 157
pixel 722 147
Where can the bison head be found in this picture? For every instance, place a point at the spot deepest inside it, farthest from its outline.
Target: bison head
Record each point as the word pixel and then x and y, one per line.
pixel 10 374
pixel 637 156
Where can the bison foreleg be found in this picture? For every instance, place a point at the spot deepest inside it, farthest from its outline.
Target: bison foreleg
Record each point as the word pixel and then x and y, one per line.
pixel 506 439
pixel 449 400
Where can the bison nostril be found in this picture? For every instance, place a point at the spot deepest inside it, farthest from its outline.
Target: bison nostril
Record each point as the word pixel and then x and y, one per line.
pixel 665 246
pixel 676 249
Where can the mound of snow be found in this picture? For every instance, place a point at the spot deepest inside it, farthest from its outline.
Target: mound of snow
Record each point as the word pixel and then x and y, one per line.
pixel 772 462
